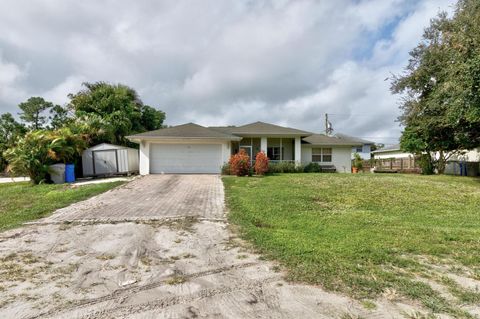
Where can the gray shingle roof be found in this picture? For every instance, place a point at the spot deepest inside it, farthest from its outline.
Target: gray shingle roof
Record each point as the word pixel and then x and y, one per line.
pixel 352 138
pixel 223 129
pixel 322 139
pixel 234 133
pixel 189 130
pixel 261 128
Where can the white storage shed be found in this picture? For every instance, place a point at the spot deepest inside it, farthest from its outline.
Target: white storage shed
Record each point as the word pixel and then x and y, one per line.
pixel 108 159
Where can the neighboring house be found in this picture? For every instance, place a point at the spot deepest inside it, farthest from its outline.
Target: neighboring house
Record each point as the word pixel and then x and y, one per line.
pixel 191 148
pixel 467 156
pixel 364 149
pixel 392 158
pixel 455 164
pixel 393 151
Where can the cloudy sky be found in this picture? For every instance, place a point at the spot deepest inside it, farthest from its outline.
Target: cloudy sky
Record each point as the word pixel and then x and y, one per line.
pixel 221 62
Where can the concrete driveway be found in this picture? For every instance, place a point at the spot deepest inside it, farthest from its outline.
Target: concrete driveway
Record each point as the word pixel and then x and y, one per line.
pixel 152 197
pixel 157 247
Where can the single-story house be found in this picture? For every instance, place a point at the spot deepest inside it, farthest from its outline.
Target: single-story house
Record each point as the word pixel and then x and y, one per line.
pixel 363 148
pixel 192 148
pixel 393 151
pixel 464 163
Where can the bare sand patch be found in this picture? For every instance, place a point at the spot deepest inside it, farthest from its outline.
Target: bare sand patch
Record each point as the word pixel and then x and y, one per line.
pixel 143 270
pixel 158 247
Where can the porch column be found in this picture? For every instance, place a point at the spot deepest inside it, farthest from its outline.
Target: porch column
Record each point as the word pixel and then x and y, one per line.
pixel 298 151
pixel 281 149
pixel 263 144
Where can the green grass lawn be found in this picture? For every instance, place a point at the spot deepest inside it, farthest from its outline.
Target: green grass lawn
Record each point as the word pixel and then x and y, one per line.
pixel 364 234
pixel 22 202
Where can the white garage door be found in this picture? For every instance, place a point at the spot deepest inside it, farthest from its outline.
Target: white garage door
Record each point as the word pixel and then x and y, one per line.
pixel 185 158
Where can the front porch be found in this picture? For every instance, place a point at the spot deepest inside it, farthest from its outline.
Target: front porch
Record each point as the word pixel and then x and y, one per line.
pixel 278 149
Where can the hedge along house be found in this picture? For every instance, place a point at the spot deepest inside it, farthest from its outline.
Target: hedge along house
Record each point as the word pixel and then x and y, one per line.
pixel 191 148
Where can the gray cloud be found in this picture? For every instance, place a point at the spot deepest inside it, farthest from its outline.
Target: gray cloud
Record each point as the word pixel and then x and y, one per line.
pixel 220 62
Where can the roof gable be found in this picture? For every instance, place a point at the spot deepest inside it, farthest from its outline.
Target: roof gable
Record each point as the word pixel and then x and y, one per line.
pixel 262 128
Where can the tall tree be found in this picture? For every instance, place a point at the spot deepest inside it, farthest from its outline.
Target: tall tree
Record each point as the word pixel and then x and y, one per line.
pixel 59 117
pixel 118 105
pixel 10 131
pixel 152 119
pixel 440 88
pixel 33 110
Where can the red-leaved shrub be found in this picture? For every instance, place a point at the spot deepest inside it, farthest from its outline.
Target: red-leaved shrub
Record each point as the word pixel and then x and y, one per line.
pixel 261 163
pixel 239 163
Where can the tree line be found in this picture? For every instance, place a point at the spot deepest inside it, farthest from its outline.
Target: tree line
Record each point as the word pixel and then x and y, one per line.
pixel 440 89
pixel 47 133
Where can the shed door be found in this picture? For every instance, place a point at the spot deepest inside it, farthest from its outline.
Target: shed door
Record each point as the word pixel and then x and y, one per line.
pixel 105 162
pixel 185 158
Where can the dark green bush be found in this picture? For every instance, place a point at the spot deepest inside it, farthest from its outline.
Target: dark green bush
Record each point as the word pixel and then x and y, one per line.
pixel 312 168
pixel 226 169
pixel 426 164
pixel 284 167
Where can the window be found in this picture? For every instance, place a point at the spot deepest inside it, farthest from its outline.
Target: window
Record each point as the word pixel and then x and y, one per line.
pixel 326 154
pixel 359 149
pixel 316 154
pixel 321 154
pixel 273 153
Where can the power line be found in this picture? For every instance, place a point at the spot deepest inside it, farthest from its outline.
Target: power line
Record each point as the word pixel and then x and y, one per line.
pixel 352 114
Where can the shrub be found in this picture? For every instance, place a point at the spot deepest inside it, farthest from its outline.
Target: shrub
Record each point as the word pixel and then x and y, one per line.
pixel 226 169
pixel 312 168
pixel 240 163
pixel 357 161
pixel 35 152
pixel 284 167
pixel 261 163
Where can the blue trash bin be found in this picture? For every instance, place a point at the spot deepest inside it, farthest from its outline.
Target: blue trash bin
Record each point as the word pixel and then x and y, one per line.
pixel 69 173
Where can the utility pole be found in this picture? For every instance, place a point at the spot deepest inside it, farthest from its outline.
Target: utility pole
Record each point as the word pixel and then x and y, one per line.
pixel 326 123
pixel 328 126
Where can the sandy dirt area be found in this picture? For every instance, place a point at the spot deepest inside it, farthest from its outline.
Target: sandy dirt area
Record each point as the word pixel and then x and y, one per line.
pixel 158 259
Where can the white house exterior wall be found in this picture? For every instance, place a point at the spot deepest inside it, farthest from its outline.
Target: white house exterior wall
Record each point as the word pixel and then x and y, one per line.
pixel 306 154
pixel 340 157
pixel 144 158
